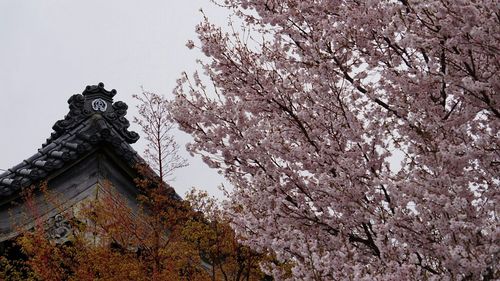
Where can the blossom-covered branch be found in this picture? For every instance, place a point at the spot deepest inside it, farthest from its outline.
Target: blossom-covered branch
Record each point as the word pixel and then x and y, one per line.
pixel 316 103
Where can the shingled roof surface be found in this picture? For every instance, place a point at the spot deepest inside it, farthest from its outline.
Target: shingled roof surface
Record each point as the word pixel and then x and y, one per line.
pixel 93 119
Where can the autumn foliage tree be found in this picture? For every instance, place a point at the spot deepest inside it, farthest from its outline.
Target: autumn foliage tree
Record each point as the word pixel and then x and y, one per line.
pixel 111 240
pixel 167 239
pixel 361 137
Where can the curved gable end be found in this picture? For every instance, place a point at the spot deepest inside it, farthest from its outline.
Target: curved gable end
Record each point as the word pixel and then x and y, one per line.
pixel 93 120
pixel 91 144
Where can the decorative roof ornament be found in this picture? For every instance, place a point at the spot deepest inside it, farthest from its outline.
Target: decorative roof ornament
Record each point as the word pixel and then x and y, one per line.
pixel 99 105
pixel 99 91
pixel 95 100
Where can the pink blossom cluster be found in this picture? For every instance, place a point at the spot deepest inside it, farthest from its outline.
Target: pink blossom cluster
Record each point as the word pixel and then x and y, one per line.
pixel 310 104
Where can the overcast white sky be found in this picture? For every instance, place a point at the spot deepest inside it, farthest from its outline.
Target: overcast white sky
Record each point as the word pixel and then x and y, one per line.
pixel 50 50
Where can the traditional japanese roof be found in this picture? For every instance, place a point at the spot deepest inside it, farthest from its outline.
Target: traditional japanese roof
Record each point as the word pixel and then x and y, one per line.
pixel 93 120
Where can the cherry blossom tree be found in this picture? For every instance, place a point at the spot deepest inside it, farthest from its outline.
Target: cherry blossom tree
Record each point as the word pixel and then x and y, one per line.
pixel 361 137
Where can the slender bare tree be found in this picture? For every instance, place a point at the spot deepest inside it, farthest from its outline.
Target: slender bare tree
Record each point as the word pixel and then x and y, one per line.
pixel 162 151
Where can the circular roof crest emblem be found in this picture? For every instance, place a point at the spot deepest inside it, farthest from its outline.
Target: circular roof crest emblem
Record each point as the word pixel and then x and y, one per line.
pixel 99 105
